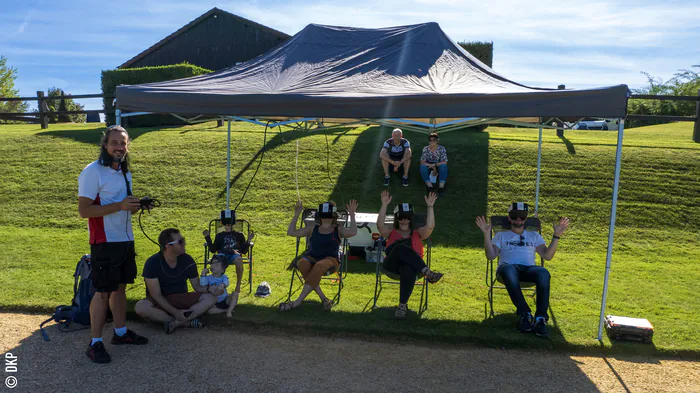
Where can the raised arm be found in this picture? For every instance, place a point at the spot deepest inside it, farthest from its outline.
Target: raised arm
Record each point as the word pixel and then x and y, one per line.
pixel 491 250
pixel 427 230
pixel 292 229
pixel 352 231
pixel 384 230
pixel 547 253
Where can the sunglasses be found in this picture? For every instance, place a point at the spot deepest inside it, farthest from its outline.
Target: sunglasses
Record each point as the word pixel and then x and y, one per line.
pixel 181 241
pixel 515 216
pixel 433 140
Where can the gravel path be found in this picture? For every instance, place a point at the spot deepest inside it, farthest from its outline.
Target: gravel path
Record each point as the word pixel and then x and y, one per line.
pixel 222 359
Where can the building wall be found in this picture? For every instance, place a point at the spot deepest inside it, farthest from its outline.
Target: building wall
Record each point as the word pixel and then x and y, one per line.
pixel 214 43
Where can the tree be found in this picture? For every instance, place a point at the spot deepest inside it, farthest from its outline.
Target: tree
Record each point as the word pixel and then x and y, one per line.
pixel 7 89
pixel 65 104
pixel 685 82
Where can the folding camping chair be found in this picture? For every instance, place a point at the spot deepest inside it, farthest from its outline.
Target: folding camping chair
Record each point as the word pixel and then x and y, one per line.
pixel 334 275
pixel 499 224
pixel 380 245
pixel 242 226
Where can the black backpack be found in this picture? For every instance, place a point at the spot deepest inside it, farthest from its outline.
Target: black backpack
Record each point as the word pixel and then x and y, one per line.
pixel 79 310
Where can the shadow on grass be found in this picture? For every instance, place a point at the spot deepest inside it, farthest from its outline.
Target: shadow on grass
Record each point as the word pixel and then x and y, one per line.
pixel 92 136
pixel 569 146
pixel 467 183
pixel 279 138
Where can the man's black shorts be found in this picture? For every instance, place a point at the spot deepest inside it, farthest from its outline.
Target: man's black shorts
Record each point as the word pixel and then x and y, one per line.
pixel 112 264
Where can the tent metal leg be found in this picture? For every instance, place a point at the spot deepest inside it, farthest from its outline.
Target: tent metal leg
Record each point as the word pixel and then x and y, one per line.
pixel 611 232
pixel 537 185
pixel 228 168
pixel 118 115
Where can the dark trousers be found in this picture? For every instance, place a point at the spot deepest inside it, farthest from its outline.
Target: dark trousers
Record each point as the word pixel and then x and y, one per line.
pixel 511 275
pixel 401 259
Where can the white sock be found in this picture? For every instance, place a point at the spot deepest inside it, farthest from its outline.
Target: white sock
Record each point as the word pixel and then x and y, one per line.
pixel 120 331
pixel 95 340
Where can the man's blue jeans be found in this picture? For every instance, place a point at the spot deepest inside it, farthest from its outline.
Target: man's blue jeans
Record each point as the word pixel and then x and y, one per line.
pixel 511 275
pixel 442 173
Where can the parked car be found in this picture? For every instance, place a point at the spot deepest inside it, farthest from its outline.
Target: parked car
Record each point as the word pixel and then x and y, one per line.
pixel 599 124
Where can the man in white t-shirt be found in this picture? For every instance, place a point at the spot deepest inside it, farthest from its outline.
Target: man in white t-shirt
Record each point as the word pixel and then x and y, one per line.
pixel 515 250
pixel 104 198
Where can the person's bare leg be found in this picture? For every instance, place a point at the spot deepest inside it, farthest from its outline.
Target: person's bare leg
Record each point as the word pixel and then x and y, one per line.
pixel 385 166
pixel 231 302
pixel 206 301
pixel 305 291
pixel 117 303
pixel 406 166
pixel 98 313
pixel 148 311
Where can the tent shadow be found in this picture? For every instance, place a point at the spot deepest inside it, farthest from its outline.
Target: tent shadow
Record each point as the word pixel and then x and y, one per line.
pixel 467 184
pixel 569 146
pixel 92 136
pixel 279 139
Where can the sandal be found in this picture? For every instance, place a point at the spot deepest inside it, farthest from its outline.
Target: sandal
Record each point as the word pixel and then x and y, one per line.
pixel 286 306
pixel 401 311
pixel 327 304
pixel 433 277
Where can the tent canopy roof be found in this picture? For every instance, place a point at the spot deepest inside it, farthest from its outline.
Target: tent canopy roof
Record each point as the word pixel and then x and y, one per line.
pixel 328 71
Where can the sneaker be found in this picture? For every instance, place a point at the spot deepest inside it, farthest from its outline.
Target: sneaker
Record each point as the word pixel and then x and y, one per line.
pixel 386 181
pixel 129 338
pixel 97 353
pixel 525 323
pixel 404 181
pixel 441 192
pixel 541 329
pixel 401 311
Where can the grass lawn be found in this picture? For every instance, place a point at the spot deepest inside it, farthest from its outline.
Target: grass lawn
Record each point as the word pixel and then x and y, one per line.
pixel 654 273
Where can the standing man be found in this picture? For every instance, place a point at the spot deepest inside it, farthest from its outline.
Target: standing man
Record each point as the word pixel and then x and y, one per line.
pixel 396 153
pixel 515 250
pixel 104 198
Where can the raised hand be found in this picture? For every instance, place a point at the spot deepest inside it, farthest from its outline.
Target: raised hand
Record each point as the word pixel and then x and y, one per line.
pixel 298 208
pixel 430 199
pixel 484 225
pixel 561 227
pixel 386 198
pixel 351 207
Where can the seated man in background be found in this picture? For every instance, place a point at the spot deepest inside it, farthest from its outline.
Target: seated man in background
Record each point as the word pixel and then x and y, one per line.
pixel 395 154
pixel 167 299
pixel 515 250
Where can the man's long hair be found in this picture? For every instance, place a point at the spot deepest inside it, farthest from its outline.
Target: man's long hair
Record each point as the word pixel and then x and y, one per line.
pixel 105 158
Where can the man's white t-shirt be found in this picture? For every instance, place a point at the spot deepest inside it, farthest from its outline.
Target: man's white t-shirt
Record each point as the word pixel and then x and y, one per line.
pixel 105 185
pixel 516 250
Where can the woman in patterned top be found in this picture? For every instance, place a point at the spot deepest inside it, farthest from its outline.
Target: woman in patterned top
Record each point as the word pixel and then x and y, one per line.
pixel 433 162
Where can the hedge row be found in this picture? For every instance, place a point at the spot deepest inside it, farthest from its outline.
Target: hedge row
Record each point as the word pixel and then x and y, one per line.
pixel 131 76
pixel 481 50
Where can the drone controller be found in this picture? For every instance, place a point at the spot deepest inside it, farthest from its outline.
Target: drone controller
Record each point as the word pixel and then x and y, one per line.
pixel 147 203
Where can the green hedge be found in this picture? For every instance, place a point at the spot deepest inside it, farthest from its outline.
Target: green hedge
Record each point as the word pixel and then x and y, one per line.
pixel 131 76
pixel 481 50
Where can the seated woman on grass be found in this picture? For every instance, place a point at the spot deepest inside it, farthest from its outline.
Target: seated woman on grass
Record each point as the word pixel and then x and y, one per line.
pixel 404 252
pixel 433 164
pixel 324 246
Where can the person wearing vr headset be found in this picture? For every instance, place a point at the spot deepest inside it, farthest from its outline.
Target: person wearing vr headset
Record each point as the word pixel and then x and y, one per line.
pixel 324 247
pixel 166 274
pixel 404 252
pixel 231 245
pixel 515 250
pixel 105 199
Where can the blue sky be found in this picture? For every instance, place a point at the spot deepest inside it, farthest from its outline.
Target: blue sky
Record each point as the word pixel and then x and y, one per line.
pixel 539 43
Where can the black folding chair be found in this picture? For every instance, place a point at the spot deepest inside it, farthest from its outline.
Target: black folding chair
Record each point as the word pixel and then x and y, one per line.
pixel 242 226
pixel 499 224
pixel 380 245
pixel 335 276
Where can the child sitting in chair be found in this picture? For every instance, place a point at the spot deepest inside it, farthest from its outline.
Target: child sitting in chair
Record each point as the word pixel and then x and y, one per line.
pixel 219 280
pixel 230 245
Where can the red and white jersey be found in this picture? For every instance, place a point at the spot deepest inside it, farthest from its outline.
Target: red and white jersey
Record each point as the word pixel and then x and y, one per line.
pixel 104 186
